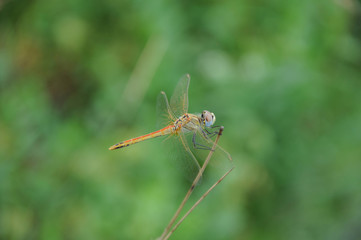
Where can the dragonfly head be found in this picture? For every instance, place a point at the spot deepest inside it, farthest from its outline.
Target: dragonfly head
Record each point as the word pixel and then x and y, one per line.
pixel 208 118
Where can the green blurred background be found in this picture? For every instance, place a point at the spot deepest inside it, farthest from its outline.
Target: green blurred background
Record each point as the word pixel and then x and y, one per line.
pixel 283 77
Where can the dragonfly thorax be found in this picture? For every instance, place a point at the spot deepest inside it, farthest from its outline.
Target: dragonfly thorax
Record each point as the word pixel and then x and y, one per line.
pixel 208 118
pixel 180 122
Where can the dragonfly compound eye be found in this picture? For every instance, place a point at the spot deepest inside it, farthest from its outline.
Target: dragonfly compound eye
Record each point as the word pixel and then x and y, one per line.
pixel 208 118
pixel 214 118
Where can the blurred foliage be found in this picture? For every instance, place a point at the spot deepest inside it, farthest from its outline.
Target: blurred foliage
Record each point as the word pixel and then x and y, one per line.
pixel 76 76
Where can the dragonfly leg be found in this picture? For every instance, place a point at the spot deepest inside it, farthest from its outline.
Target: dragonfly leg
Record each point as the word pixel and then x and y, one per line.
pixel 212 133
pixel 198 145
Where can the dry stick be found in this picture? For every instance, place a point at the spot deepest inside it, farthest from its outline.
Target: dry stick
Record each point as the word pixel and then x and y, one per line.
pixel 196 204
pixel 200 173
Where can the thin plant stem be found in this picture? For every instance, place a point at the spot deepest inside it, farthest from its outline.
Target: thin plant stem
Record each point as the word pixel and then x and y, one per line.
pixel 200 173
pixel 197 203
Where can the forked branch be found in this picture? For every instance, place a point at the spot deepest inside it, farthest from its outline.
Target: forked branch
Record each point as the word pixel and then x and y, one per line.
pixel 167 233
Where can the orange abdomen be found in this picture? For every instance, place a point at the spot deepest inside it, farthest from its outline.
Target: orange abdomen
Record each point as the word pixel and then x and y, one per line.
pixel 165 131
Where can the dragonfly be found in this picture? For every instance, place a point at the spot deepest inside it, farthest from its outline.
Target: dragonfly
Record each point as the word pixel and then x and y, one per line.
pixel 180 123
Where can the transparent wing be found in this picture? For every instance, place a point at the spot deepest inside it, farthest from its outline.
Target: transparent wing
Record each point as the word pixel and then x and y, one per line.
pixel 165 116
pixel 179 99
pixel 192 160
pixel 176 145
pixel 182 156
